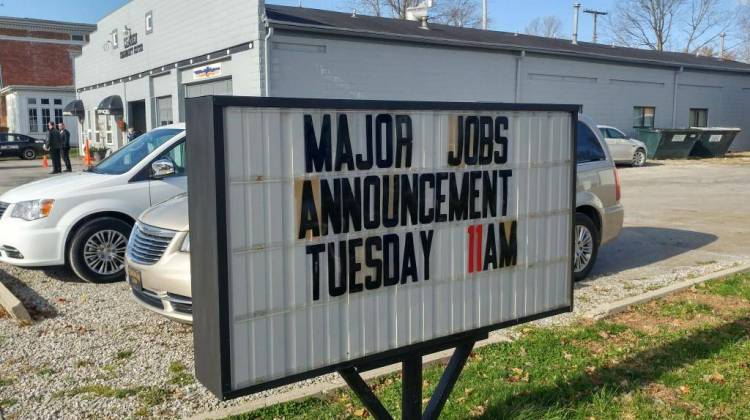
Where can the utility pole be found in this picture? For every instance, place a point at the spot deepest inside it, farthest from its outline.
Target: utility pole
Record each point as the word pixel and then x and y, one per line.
pixel 595 14
pixel 721 48
pixel 484 14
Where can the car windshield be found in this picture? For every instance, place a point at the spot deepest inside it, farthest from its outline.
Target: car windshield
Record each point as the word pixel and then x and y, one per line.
pixel 129 155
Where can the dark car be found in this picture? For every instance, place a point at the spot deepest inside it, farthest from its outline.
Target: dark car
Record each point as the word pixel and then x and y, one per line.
pixel 21 145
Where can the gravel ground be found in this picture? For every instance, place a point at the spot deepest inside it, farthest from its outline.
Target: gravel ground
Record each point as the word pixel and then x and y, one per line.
pixel 93 353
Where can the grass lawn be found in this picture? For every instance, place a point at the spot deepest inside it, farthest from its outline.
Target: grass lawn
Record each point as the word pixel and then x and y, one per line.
pixel 684 356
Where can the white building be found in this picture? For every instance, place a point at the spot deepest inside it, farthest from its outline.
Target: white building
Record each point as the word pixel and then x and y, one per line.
pixel 150 55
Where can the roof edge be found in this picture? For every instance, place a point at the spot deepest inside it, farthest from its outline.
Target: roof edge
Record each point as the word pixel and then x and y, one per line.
pixel 490 46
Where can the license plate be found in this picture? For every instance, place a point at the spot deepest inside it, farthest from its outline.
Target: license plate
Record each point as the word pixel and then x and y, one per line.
pixel 134 278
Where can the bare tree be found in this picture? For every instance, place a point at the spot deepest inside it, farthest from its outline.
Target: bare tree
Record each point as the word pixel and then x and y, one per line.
pixel 645 23
pixel 548 26
pixel 705 20
pixel 682 25
pixel 462 13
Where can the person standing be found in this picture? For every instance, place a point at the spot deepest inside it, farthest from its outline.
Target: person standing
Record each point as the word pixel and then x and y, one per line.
pixel 53 145
pixel 65 145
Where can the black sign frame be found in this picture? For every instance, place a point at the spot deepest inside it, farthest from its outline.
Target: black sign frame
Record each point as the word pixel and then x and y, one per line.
pixel 208 216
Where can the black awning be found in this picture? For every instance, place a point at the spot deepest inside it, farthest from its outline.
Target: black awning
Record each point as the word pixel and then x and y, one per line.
pixel 75 108
pixel 111 105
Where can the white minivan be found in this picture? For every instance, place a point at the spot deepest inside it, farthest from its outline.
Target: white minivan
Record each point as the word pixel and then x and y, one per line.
pixel 84 219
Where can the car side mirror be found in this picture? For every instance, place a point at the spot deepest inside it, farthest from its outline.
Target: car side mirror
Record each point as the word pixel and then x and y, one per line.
pixel 162 168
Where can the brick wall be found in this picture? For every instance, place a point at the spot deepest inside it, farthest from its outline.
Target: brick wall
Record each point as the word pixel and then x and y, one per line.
pixel 34 34
pixel 36 63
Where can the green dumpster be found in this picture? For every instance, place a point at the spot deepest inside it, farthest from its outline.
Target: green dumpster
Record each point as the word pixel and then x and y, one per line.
pixel 651 138
pixel 669 143
pixel 714 141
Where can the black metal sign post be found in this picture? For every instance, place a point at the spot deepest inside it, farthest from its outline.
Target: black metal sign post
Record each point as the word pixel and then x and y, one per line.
pixel 411 388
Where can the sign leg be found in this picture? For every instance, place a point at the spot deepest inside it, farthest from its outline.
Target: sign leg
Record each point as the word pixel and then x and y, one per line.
pixel 448 380
pixel 365 394
pixel 411 397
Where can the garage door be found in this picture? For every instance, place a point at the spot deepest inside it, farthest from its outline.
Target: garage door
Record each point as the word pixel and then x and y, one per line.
pixel 218 87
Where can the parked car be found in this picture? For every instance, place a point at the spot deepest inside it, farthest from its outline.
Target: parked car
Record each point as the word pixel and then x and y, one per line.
pixel 20 145
pixel 158 260
pixel 623 148
pixel 84 219
pixel 158 257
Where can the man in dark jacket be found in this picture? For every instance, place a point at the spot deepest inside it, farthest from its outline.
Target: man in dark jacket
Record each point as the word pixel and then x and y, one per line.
pixel 53 145
pixel 65 145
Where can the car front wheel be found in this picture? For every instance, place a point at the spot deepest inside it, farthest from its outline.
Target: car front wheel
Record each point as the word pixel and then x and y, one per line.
pixel 586 246
pixel 639 158
pixel 97 251
pixel 28 154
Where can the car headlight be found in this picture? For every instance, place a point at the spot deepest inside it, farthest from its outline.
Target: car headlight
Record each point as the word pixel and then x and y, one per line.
pixel 186 244
pixel 32 209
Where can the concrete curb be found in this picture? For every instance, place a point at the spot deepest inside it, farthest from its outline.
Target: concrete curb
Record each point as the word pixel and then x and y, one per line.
pixel 610 309
pixel 13 306
pixel 335 385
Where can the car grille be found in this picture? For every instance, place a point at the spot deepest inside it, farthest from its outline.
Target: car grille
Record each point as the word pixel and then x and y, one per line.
pixel 147 243
pixel 181 303
pixel 3 207
pixel 148 298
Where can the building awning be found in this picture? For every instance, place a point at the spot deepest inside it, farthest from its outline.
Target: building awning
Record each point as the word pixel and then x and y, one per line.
pixel 111 105
pixel 75 108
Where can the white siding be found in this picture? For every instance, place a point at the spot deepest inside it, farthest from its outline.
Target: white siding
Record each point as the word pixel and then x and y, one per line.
pixel 182 29
pixel 337 67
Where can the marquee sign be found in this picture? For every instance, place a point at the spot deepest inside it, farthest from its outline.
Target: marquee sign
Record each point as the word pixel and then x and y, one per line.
pixel 331 233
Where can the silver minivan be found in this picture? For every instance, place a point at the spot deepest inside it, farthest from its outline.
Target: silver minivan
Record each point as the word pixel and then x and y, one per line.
pixel 161 281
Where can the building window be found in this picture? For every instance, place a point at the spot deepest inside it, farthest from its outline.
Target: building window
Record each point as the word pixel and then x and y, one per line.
pixel 45 118
pixel 45 101
pixel 643 116
pixel 58 116
pixel 149 22
pixel 33 120
pixel 104 131
pixel 698 117
pixel 58 101
pixel 77 37
pixel 164 111
pixel 32 101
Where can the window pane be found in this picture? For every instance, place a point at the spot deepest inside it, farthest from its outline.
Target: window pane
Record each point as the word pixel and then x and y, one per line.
pixel 637 116
pixel 45 101
pixel 649 113
pixel 32 101
pixel 45 118
pixel 58 116
pixel 58 101
pixel 33 121
pixel 703 118
pixel 177 156
pixel 164 111
pixel 588 148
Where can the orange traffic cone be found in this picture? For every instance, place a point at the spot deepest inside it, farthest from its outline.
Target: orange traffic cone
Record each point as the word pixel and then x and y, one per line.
pixel 45 164
pixel 87 154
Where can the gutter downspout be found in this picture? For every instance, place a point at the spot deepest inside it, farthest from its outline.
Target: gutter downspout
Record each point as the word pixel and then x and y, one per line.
pixel 517 93
pixel 266 57
pixel 674 97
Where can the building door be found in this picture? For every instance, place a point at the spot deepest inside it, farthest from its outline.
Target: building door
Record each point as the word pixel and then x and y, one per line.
pixel 137 116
